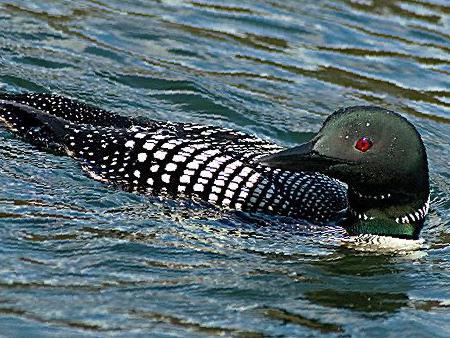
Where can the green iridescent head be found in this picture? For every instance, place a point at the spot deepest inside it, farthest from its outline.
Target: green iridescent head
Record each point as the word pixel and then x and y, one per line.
pixel 381 156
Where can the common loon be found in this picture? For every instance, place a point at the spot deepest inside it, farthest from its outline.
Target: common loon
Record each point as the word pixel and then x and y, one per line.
pixel 366 167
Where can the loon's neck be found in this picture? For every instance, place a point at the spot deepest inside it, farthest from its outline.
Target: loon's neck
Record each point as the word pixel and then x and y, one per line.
pixel 397 214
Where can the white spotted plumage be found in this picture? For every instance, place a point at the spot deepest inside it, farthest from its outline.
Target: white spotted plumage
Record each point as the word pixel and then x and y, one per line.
pixel 213 164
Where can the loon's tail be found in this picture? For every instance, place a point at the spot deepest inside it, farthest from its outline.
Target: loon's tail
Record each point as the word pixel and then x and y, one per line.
pixel 35 126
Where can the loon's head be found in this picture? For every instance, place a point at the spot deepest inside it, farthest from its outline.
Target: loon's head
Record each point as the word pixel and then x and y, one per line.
pixel 381 157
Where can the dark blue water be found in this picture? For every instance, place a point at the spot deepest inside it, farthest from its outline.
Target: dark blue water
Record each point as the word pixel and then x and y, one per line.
pixel 78 258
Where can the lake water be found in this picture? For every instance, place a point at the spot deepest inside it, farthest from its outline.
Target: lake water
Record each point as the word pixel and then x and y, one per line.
pixel 81 259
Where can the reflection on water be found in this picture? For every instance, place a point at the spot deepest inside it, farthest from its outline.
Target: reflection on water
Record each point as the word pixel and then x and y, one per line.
pixel 365 296
pixel 83 259
pixel 364 302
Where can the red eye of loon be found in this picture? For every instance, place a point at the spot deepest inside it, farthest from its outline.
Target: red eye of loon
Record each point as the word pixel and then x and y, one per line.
pixel 363 144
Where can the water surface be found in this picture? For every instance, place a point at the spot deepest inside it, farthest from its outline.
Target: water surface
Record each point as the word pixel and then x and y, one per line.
pixel 79 258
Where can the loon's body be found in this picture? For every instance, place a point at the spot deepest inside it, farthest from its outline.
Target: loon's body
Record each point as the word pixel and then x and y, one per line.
pixel 223 167
pixel 157 158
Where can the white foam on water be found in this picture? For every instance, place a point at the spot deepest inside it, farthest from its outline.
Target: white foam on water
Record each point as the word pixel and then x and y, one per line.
pixel 384 244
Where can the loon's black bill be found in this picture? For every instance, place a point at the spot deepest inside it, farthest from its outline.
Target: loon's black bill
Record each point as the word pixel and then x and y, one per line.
pixel 301 158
